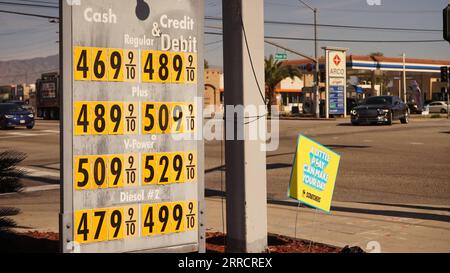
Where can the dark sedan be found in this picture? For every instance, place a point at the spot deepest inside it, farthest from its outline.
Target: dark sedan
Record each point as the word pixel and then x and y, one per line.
pixel 380 109
pixel 12 115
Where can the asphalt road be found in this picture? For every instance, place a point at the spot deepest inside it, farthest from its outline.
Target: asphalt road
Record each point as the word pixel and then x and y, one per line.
pixel 406 164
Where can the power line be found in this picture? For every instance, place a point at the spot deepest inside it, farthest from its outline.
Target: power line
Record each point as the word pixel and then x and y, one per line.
pixel 39 2
pixel 335 26
pixel 338 40
pixel 29 14
pixel 28 5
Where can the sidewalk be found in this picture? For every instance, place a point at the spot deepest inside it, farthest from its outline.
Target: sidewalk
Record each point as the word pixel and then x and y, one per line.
pixel 401 228
pixel 394 228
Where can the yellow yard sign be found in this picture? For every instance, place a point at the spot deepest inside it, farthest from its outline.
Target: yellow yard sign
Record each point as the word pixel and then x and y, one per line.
pixel 313 174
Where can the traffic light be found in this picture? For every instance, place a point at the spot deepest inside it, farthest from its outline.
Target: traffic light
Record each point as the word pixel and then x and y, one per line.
pixel 444 74
pixel 446 13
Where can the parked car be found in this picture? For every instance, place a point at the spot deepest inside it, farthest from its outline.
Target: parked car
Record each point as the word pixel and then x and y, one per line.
pixel 437 107
pixel 12 115
pixel 380 109
pixel 21 103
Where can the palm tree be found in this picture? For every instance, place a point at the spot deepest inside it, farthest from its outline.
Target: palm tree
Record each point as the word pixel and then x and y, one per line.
pixel 275 72
pixel 10 177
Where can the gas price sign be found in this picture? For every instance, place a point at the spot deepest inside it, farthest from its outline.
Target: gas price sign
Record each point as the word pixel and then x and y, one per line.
pixel 132 165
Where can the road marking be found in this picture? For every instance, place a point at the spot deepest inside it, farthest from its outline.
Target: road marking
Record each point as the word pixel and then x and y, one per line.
pixel 31 172
pixel 41 188
pixel 416 143
pixel 21 136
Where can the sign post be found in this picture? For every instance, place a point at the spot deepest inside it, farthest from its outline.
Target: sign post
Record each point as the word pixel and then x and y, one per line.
pixel 336 81
pixel 131 155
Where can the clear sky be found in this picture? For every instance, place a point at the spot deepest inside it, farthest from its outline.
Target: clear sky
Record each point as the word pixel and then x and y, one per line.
pixel 24 37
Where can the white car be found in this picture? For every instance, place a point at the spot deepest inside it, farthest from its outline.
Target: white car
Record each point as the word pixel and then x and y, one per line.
pixel 438 107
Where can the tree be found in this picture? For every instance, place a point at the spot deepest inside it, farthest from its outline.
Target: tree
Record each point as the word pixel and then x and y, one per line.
pixel 275 72
pixel 376 54
pixel 9 182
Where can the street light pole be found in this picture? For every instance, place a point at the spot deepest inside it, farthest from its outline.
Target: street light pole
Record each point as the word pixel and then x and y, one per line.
pixel 404 77
pixel 316 57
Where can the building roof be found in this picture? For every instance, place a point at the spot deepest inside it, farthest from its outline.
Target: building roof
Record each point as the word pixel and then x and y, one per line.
pixel 355 58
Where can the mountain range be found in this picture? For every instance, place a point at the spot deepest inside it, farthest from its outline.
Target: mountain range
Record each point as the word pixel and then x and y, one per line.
pixel 27 71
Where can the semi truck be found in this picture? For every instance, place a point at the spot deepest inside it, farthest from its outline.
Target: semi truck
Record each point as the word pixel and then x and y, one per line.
pixel 47 96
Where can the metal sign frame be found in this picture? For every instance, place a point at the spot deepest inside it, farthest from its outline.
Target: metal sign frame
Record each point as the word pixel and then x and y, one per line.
pixel 66 216
pixel 328 51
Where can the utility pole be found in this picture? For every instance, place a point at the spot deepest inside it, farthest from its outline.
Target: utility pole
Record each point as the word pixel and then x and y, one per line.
pixel 246 194
pixel 317 65
pixel 404 77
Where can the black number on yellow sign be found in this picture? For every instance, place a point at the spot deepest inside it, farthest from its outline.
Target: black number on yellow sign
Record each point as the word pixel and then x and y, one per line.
pixel 82 64
pixel 103 171
pixel 102 118
pixel 163 67
pixel 168 168
pixel 168 218
pixel 106 224
pixel 100 225
pixel 162 118
pixel 118 65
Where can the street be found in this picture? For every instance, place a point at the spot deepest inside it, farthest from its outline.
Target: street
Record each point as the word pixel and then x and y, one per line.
pixel 399 164
pixel 406 164
pixel 392 188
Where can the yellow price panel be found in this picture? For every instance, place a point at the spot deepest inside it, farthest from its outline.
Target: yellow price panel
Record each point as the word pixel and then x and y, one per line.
pixel 190 214
pixel 178 67
pixel 99 172
pixel 82 172
pixel 148 214
pixel 116 164
pixel 99 118
pixel 99 225
pixel 189 167
pixel 99 64
pixel 115 112
pixel 82 116
pixel 168 67
pixel 81 62
pixel 105 118
pixel 131 72
pixel 167 218
pixel 115 224
pixel 131 225
pixel 149 167
pixel 177 113
pixel 148 61
pixel 131 170
pixel 115 65
pixel 105 171
pixel 131 116
pixel 168 117
pixel 191 67
pixel 83 226
pixel 169 168
pixel 190 114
